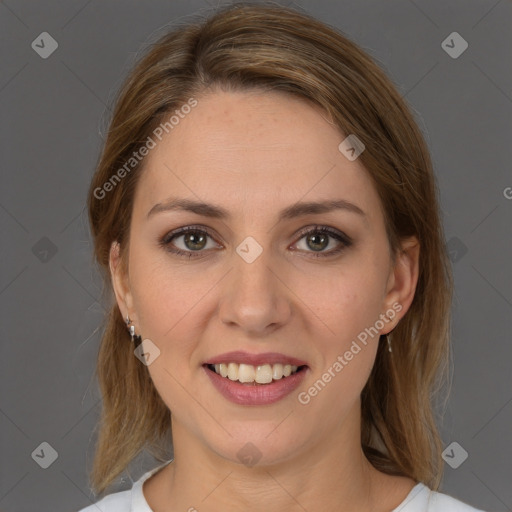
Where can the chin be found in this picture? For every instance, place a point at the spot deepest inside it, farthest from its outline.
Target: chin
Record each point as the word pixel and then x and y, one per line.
pixel 258 445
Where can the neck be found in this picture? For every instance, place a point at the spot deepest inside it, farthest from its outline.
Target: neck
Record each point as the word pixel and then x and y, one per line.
pixel 332 474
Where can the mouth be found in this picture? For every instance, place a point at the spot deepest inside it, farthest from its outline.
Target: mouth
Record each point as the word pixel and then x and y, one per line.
pixel 255 375
pixel 255 379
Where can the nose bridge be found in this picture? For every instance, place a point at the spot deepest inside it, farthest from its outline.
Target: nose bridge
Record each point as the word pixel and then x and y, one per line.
pixel 254 297
pixel 253 267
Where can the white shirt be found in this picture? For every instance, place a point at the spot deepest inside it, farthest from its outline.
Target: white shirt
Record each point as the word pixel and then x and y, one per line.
pixel 420 499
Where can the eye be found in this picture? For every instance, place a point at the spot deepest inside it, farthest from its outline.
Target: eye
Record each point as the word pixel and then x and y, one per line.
pixel 194 241
pixel 317 239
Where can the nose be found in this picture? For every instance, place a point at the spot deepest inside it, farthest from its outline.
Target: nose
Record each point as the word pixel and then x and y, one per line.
pixel 255 297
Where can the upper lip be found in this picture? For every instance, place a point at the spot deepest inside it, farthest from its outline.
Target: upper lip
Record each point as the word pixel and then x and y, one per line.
pixel 240 356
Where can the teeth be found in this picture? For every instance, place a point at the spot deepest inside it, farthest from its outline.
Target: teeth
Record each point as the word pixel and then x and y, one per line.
pixel 263 374
pixel 277 371
pixel 232 371
pixel 246 373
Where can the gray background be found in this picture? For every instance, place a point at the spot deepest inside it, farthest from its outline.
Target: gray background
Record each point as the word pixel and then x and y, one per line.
pixel 54 114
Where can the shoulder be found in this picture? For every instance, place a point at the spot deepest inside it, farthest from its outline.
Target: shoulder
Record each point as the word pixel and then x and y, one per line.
pixel 423 499
pixel 116 502
pixel 439 502
pixel 131 500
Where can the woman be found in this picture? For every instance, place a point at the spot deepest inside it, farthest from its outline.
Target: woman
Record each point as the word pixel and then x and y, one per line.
pixel 266 214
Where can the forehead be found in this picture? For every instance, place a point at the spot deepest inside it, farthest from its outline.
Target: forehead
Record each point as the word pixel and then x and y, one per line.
pixel 246 149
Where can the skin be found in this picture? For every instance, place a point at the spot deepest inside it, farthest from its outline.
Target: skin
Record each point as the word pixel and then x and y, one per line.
pixel 254 154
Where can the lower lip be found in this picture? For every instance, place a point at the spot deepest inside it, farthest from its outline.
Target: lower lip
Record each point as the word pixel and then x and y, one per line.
pixel 259 394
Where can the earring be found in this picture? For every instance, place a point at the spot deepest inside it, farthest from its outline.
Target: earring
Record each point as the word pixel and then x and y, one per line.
pixel 387 335
pixel 136 339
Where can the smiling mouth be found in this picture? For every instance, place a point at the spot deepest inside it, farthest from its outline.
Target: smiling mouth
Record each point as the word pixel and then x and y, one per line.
pixel 254 375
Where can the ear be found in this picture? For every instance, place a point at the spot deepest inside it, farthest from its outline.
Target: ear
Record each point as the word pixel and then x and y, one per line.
pixel 120 282
pixel 402 281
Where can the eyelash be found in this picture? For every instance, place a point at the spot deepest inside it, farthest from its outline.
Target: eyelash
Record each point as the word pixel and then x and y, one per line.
pixel 345 241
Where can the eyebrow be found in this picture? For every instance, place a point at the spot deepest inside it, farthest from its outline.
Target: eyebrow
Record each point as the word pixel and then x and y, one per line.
pixel 217 212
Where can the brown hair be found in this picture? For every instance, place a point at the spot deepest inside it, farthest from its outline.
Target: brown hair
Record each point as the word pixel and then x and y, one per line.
pixel 273 48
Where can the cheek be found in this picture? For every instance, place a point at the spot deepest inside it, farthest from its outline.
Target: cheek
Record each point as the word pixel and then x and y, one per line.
pixel 347 301
pixel 163 299
pixel 345 358
pixel 167 305
pixel 347 311
pixel 162 294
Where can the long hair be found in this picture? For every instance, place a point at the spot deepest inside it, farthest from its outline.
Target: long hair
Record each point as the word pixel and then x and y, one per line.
pixel 272 48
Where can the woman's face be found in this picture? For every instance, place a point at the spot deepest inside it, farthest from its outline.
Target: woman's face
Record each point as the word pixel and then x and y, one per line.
pixel 254 281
